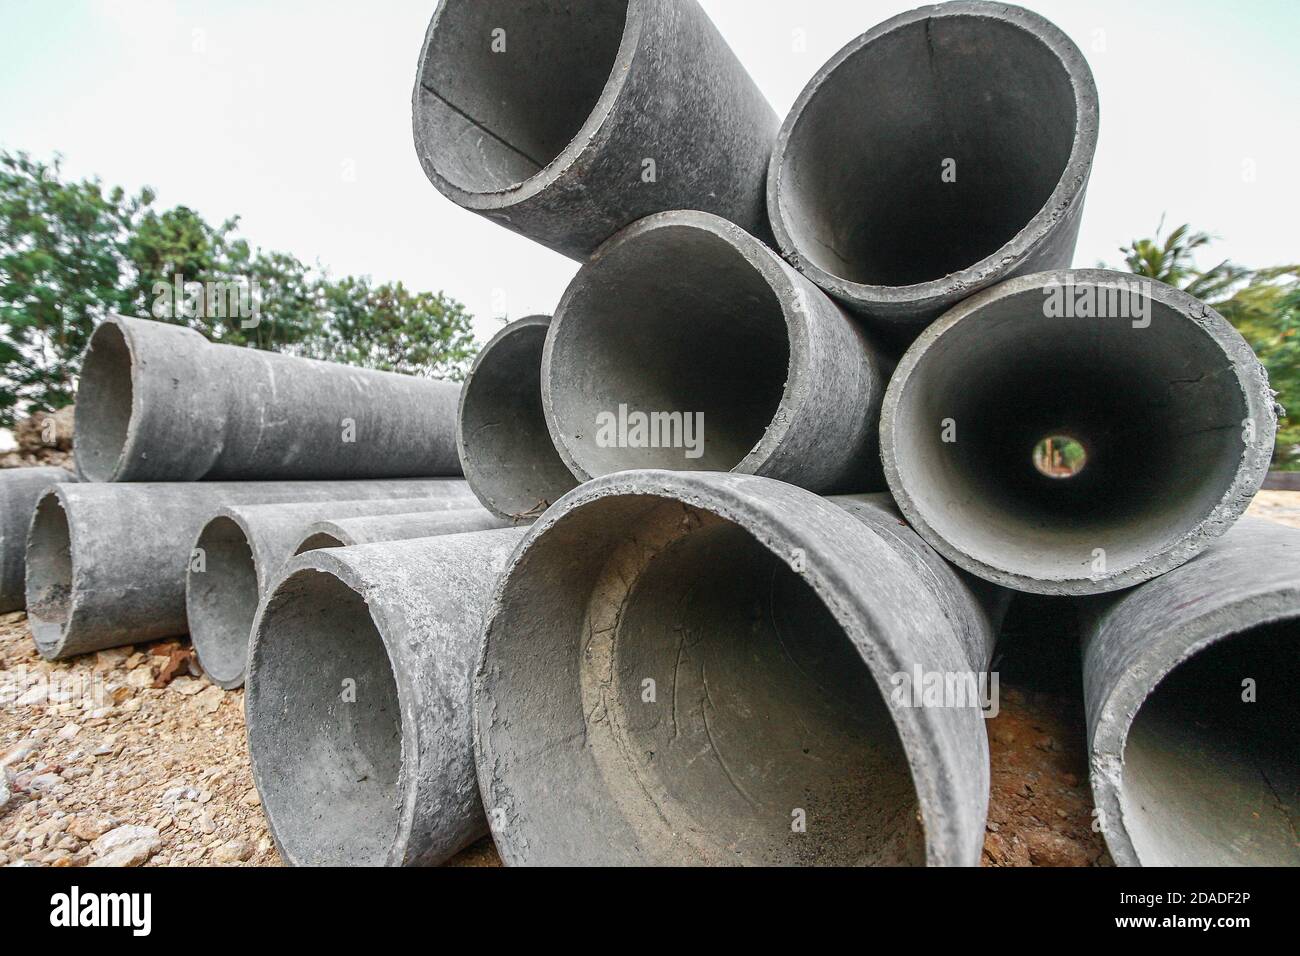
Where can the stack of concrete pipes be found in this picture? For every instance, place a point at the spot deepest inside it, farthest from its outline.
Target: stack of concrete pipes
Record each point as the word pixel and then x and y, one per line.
pixel 776 448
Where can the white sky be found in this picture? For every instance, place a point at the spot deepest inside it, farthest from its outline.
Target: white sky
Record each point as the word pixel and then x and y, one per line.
pixel 295 114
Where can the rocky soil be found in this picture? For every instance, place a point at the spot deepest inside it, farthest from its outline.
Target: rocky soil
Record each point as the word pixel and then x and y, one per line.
pixel 131 757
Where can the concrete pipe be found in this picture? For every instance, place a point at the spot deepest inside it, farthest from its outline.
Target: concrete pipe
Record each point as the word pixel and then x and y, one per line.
pixel 1193 718
pixel 106 564
pixel 1076 432
pixel 240 551
pixel 506 451
pixel 695 668
pixel 159 402
pixel 942 151
pixel 358 698
pixel 20 489
pixel 566 120
pixel 686 344
pixel 350 532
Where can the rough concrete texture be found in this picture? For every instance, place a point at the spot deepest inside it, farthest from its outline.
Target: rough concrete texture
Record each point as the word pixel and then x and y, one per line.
pixel 349 532
pixel 241 550
pixel 1170 404
pixel 698 668
pixel 358 700
pixel 20 489
pixel 684 314
pixel 1193 718
pixel 159 402
pixel 566 120
pixel 506 450
pixel 942 151
pixel 106 564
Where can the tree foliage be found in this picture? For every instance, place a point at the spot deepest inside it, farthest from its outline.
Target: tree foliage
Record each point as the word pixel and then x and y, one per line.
pixel 72 253
pixel 1263 304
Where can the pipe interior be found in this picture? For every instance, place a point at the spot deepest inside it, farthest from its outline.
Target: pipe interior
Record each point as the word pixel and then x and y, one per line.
pixel 509 457
pixel 49 569
pixel 491 118
pixel 104 399
pixel 862 186
pixel 1210 779
pixel 222 599
pixel 674 323
pixel 696 697
pixel 1158 410
pixel 319 542
pixel 325 726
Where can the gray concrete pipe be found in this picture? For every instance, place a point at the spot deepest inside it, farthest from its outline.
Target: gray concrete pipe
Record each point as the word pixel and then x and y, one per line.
pixel 159 402
pixel 1165 399
pixel 20 489
pixel 350 532
pixel 566 120
pixel 240 551
pixel 358 699
pixel 506 451
pixel 696 668
pixel 737 362
pixel 942 151
pixel 106 563
pixel 1193 718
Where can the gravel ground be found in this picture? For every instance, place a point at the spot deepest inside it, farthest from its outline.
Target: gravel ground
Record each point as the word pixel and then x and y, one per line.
pixel 131 758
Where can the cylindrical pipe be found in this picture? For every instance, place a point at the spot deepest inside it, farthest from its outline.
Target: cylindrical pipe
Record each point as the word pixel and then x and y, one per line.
pixel 358 700
pixel 688 667
pixel 566 120
pixel 159 402
pixel 686 344
pixel 506 450
pixel 20 489
pixel 350 532
pixel 240 551
pixel 1193 718
pixel 106 563
pixel 942 151
pixel 1165 408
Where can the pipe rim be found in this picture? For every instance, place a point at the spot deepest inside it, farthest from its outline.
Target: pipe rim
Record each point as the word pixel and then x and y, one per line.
pixel 580 149
pixel 1160 657
pixel 937 785
pixel 493 493
pixel 1233 502
pixel 1069 190
pixel 214 644
pixel 50 635
pixel 120 327
pixel 755 256
pixel 409 698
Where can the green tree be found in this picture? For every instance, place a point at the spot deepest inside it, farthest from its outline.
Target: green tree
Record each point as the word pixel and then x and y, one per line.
pixel 1262 304
pixel 73 253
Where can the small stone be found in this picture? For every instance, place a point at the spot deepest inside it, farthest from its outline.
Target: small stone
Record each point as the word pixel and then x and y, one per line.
pixel 68 731
pixel 1048 848
pixel 44 783
pixel 206 824
pixel 126 846
pixel 234 851
pixel 140 678
pixel 85 828
pixel 1070 780
pixel 19 753
pixel 1045 743
pixel 5 793
pixel 187 686
pixel 252 798
pixel 210 700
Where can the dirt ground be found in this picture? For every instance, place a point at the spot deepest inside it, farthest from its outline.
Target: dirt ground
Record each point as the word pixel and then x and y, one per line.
pixel 130 758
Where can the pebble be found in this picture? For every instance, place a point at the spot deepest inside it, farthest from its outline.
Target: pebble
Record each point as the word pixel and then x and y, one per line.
pixel 125 846
pixel 1049 848
pixel 234 851
pixel 69 731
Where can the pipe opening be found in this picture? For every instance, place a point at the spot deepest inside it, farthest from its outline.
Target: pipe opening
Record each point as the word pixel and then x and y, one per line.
pixel 506 448
pixel 222 598
pixel 506 85
pixel 49 572
pixel 1159 410
pixel 1209 778
pixel 320 542
pixel 1060 457
pixel 737 722
pixel 927 150
pixel 671 352
pixel 104 402
pixel 324 725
